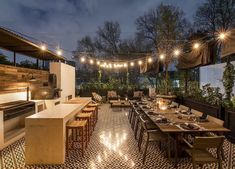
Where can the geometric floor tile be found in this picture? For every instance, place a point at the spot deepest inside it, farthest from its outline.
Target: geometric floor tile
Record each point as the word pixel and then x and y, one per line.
pixel 112 146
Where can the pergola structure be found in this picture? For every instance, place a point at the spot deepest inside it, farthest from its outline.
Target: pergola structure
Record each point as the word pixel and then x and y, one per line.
pixel 18 44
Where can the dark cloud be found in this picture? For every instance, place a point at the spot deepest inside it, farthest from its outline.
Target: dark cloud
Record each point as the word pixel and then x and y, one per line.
pixel 63 22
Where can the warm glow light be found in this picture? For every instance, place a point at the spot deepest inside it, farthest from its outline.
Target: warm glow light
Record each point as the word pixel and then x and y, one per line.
pixel 150 60
pixel 132 63
pixel 83 59
pixel 140 62
pixel 125 65
pixel 196 45
pixel 43 47
pixel 222 36
pixel 177 52
pixel 91 61
pixel 59 52
pixel 162 56
pixel 98 62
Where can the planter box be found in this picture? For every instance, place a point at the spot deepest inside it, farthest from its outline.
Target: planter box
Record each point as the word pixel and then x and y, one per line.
pixel 230 123
pixel 214 111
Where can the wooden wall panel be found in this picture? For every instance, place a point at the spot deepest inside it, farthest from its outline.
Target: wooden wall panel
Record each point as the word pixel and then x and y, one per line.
pixel 14 79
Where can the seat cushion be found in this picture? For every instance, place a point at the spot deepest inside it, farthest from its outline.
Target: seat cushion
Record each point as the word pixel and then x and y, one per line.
pixel 201 155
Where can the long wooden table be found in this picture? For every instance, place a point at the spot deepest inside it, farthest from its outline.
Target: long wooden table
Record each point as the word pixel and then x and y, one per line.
pixel 173 131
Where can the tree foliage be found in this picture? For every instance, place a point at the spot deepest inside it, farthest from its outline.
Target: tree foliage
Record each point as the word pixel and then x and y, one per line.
pixel 214 15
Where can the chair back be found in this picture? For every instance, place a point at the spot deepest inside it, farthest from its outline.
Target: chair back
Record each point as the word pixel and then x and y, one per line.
pixel 111 94
pixel 208 142
pixel 143 123
pixel 216 120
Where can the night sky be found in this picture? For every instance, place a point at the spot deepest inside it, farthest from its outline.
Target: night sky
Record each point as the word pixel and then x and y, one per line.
pixel 63 22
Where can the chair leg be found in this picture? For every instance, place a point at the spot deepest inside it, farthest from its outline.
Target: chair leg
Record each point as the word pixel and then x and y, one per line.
pixel 140 139
pixel 222 153
pixel 82 133
pixel 194 164
pixel 145 150
pixel 136 126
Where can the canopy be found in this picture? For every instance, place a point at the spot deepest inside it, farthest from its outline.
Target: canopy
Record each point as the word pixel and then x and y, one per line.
pixel 203 56
pixel 228 46
pixel 16 43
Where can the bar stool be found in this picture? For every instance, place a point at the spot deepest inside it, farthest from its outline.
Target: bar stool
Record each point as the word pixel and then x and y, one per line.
pixel 93 111
pixel 88 117
pixel 79 134
pixel 95 105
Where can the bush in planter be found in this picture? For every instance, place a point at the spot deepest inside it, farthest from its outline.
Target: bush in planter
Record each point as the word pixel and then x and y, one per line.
pixel 228 82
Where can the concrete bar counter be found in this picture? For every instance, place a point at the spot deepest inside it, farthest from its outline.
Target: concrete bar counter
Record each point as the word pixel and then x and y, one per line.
pixel 45 133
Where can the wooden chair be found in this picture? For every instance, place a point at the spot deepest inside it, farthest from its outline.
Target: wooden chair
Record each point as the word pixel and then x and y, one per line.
pixel 95 106
pixel 152 135
pixel 79 134
pixel 199 150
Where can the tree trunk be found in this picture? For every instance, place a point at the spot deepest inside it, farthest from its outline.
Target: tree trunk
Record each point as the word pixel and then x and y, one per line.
pixel 166 79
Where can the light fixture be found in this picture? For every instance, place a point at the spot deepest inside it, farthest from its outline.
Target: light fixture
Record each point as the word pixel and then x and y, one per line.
pixel 150 60
pixel 222 36
pixel 83 59
pixel 196 45
pixel 98 62
pixel 59 52
pixel 43 47
pixel 125 65
pixel 132 64
pixel 140 62
pixel 177 52
pixel 162 56
pixel 91 61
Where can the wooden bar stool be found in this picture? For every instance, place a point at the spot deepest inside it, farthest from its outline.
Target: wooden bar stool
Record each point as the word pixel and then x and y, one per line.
pixel 95 105
pixel 93 111
pixel 88 117
pixel 79 134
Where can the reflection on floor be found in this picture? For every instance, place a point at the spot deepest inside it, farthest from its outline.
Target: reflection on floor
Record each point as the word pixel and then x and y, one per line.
pixel 112 146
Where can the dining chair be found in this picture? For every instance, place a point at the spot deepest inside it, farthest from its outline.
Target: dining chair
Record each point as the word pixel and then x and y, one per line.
pixel 199 150
pixel 150 135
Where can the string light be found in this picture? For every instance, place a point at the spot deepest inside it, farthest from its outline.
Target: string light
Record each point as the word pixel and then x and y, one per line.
pixel 177 52
pixel 132 64
pixel 43 47
pixel 125 65
pixel 59 52
pixel 196 45
pixel 140 62
pixel 150 60
pixel 91 61
pixel 162 56
pixel 98 62
pixel 222 36
pixel 83 59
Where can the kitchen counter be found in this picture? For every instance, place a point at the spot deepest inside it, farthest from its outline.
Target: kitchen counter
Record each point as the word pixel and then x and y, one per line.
pixel 45 133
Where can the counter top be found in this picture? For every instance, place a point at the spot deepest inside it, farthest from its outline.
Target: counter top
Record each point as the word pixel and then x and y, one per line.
pixel 60 111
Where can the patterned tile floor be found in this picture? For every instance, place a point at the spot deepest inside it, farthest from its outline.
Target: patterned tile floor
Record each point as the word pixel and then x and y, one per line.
pixel 112 146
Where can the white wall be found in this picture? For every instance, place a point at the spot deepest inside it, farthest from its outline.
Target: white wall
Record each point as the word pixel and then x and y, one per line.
pixel 213 74
pixel 65 78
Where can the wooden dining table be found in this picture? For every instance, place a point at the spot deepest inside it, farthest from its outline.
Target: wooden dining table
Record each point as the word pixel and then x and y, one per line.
pixel 173 129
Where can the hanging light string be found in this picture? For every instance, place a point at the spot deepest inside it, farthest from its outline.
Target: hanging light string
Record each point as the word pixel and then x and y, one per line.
pixel 85 57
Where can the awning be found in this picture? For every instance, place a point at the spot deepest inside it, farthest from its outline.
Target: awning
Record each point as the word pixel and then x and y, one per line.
pixel 228 46
pixel 16 43
pixel 203 56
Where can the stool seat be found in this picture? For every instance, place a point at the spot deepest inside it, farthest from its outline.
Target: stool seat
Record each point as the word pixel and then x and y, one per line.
pixel 89 109
pixel 84 115
pixel 77 124
pixel 92 105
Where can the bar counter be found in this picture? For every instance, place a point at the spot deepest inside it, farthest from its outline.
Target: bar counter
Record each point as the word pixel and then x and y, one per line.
pixel 45 133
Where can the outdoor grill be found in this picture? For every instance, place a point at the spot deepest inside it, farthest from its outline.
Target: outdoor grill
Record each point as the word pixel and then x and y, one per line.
pixel 16 108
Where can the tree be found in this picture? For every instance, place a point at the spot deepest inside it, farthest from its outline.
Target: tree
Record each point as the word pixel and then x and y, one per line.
pixel 165 26
pixel 215 15
pixel 108 38
pixel 86 44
